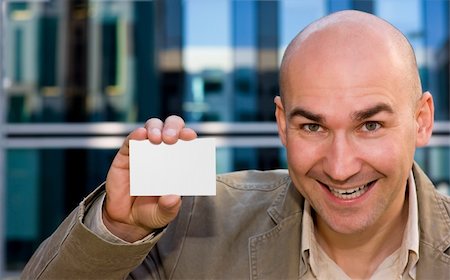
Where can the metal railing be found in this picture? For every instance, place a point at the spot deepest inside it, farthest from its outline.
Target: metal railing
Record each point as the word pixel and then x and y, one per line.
pixel 111 135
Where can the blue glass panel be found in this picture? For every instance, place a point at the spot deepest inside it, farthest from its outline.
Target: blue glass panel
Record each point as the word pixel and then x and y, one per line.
pixel 295 15
pixel 244 24
pixel 339 5
pixel 436 27
pixel 22 202
pixel 436 163
pixel 207 23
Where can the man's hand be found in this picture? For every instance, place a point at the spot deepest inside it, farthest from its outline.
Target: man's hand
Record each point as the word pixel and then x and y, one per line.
pixel 132 218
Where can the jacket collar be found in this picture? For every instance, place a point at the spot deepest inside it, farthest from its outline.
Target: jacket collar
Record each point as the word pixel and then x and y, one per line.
pixel 287 203
pixel 282 242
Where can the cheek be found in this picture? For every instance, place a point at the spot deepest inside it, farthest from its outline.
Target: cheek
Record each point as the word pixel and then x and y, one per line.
pixel 388 153
pixel 301 154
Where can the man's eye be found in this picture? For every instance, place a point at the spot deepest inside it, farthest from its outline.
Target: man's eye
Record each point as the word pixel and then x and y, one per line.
pixel 371 126
pixel 312 127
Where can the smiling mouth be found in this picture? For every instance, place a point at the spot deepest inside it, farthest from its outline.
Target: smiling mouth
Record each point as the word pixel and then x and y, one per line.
pixel 350 193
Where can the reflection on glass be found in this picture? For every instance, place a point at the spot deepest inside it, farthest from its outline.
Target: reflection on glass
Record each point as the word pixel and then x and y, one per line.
pixel 31 41
pixel 232 159
pixel 295 15
pixel 436 30
pixel 77 62
pixel 43 187
pixel 111 88
pixel 207 60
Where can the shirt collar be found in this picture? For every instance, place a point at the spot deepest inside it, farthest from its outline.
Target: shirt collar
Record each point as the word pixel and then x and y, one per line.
pixel 308 237
pixel 410 244
pixel 409 249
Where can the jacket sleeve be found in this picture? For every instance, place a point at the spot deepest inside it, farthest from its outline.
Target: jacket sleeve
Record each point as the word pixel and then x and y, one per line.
pixel 75 252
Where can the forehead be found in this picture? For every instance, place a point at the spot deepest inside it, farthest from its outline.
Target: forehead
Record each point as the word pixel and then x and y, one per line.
pixel 343 71
pixel 342 57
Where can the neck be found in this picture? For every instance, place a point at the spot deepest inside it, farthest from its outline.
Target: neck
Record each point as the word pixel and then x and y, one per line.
pixel 360 253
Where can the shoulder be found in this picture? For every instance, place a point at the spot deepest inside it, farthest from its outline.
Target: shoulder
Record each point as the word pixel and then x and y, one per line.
pixel 243 192
pixel 248 192
pixel 444 200
pixel 426 191
pixel 254 180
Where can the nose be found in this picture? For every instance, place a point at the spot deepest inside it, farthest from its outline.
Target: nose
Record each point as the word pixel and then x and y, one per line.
pixel 342 160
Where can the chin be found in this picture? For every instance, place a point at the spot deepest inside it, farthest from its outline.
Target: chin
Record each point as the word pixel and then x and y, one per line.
pixel 351 225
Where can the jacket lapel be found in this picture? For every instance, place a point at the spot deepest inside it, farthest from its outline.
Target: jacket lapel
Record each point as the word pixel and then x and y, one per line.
pixel 434 224
pixel 275 254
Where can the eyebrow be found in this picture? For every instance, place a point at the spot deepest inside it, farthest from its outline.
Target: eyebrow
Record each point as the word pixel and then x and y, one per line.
pixel 300 112
pixel 372 111
pixel 358 115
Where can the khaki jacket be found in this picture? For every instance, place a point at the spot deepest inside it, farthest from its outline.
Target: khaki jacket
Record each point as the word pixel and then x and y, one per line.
pixel 250 230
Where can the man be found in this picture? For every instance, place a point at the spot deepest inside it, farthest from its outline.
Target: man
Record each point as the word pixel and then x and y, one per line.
pixel 352 206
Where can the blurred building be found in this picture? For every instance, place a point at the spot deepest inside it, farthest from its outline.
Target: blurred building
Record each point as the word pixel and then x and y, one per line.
pixel 79 75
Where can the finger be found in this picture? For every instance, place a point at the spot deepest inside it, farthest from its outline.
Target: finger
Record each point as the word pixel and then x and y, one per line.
pixel 172 129
pixel 121 159
pixel 188 134
pixel 121 163
pixel 154 128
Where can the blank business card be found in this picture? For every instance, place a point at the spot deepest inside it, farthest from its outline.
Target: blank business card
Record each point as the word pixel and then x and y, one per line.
pixel 186 168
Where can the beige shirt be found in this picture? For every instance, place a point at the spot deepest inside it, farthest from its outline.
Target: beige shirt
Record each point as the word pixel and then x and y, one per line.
pixel 399 265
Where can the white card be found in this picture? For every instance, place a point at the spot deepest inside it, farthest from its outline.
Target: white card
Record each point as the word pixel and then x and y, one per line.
pixel 185 168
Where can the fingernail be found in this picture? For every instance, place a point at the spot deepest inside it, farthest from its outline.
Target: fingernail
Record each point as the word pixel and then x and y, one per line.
pixel 156 131
pixel 170 132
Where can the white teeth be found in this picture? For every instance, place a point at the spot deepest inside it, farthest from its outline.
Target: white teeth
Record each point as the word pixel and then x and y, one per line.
pixel 350 193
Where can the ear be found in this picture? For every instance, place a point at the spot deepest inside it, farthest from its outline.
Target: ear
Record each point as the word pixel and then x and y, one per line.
pixel 424 119
pixel 281 119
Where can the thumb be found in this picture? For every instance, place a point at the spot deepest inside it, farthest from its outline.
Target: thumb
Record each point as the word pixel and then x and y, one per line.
pixel 169 205
pixel 166 210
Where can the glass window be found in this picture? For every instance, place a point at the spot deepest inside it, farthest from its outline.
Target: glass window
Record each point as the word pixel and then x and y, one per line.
pixel 296 15
pixel 436 67
pixel 207 60
pixel 435 160
pixel 43 187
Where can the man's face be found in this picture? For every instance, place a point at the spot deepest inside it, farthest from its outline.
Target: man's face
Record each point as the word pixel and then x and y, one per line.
pixel 348 124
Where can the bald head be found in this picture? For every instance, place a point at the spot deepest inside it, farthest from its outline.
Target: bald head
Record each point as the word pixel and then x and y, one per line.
pixel 354 40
